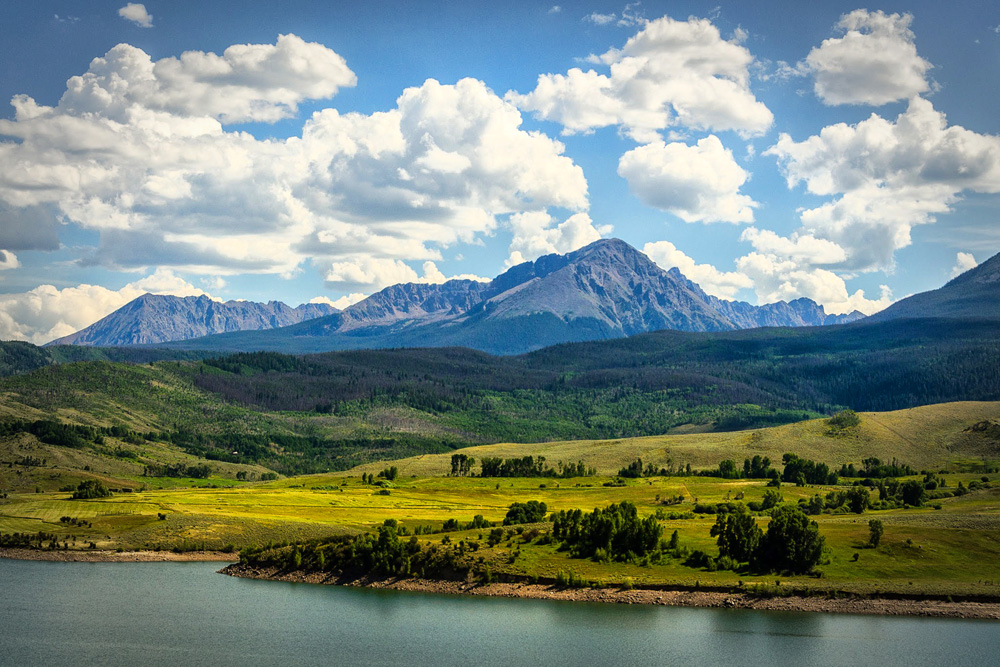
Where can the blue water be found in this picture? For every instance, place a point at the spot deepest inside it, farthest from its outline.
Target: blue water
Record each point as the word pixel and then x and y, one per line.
pixel 186 614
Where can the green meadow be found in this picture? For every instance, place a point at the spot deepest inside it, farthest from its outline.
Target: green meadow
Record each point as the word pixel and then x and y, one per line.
pixel 949 546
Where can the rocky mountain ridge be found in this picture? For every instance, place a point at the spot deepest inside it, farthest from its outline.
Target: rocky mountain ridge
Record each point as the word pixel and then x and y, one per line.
pixel 157 318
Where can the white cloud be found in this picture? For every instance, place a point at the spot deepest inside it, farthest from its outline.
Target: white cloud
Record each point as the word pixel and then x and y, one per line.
pixel 799 247
pixel 885 177
pixel 786 268
pixel 341 303
pixel 670 73
pixel 373 274
pixel 725 285
pixel 46 312
pixel 165 183
pixel 8 260
pixel 630 16
pixel 248 82
pixel 697 183
pixel 600 19
pixel 536 234
pixel 779 279
pixel 555 9
pixel 137 14
pixel 875 62
pixel 964 261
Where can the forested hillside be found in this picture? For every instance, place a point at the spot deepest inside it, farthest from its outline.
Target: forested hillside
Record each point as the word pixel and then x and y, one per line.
pixel 883 366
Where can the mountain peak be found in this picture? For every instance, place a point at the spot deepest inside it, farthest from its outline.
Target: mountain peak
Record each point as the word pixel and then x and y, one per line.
pixel 987 273
pixel 973 295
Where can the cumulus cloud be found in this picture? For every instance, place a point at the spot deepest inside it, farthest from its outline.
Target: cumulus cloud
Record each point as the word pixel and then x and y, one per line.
pixel 802 248
pixel 8 260
pixel 697 183
pixel 536 234
pixel 671 73
pixel 723 284
pixel 163 181
pixel 374 273
pixel 964 261
pixel 875 62
pixel 782 279
pixel 884 177
pixel 248 82
pixel 137 14
pixel 46 312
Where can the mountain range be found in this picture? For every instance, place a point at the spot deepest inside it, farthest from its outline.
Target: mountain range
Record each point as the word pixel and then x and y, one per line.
pixel 155 318
pixel 607 289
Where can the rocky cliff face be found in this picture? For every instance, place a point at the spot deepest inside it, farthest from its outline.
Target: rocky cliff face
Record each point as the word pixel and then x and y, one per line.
pixel 154 318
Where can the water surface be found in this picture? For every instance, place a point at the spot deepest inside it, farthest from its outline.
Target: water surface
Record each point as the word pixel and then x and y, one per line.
pixel 186 614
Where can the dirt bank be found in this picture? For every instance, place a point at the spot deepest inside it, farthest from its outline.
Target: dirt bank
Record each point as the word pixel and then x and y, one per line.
pixel 98 556
pixel 849 605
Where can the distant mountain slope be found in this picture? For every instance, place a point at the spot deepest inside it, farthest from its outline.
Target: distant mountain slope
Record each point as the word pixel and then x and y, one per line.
pixel 607 289
pixel 973 295
pixel 153 318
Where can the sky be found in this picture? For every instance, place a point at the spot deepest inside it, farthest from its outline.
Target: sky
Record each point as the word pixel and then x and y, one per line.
pixel 321 151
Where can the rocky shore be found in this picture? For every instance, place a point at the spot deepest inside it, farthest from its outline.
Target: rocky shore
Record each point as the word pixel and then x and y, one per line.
pixel 675 598
pixel 98 556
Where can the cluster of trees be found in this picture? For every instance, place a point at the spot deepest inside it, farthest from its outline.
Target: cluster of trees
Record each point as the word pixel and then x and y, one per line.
pixel 30 461
pixel 532 511
pixel 771 499
pixel 89 489
pixel 386 552
pixel 756 468
pixel 461 465
pixel 635 470
pixel 873 467
pixel 197 471
pixel 615 532
pixel 792 542
pixel 26 540
pixel 843 420
pixel 801 471
pixel 856 499
pixel 530 466
pixel 389 474
pixel 910 492
pixel 54 432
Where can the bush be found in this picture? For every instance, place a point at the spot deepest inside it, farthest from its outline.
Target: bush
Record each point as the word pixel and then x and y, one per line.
pixel 875 530
pixel 843 419
pixel 532 511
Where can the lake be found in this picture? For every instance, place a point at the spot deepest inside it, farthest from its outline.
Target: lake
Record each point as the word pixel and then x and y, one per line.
pixel 186 614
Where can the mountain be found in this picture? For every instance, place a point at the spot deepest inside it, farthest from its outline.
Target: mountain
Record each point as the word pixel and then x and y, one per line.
pixel 156 318
pixel 607 289
pixel 973 295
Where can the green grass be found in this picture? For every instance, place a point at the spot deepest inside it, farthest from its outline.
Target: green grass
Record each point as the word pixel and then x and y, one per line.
pixel 951 551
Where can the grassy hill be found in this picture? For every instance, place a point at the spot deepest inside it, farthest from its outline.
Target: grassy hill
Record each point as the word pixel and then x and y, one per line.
pixel 929 437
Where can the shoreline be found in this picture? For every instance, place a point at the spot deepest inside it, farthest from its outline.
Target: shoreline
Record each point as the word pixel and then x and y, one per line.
pixel 671 598
pixel 104 556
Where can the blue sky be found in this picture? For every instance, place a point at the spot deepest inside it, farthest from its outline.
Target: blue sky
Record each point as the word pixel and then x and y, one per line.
pixel 314 150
